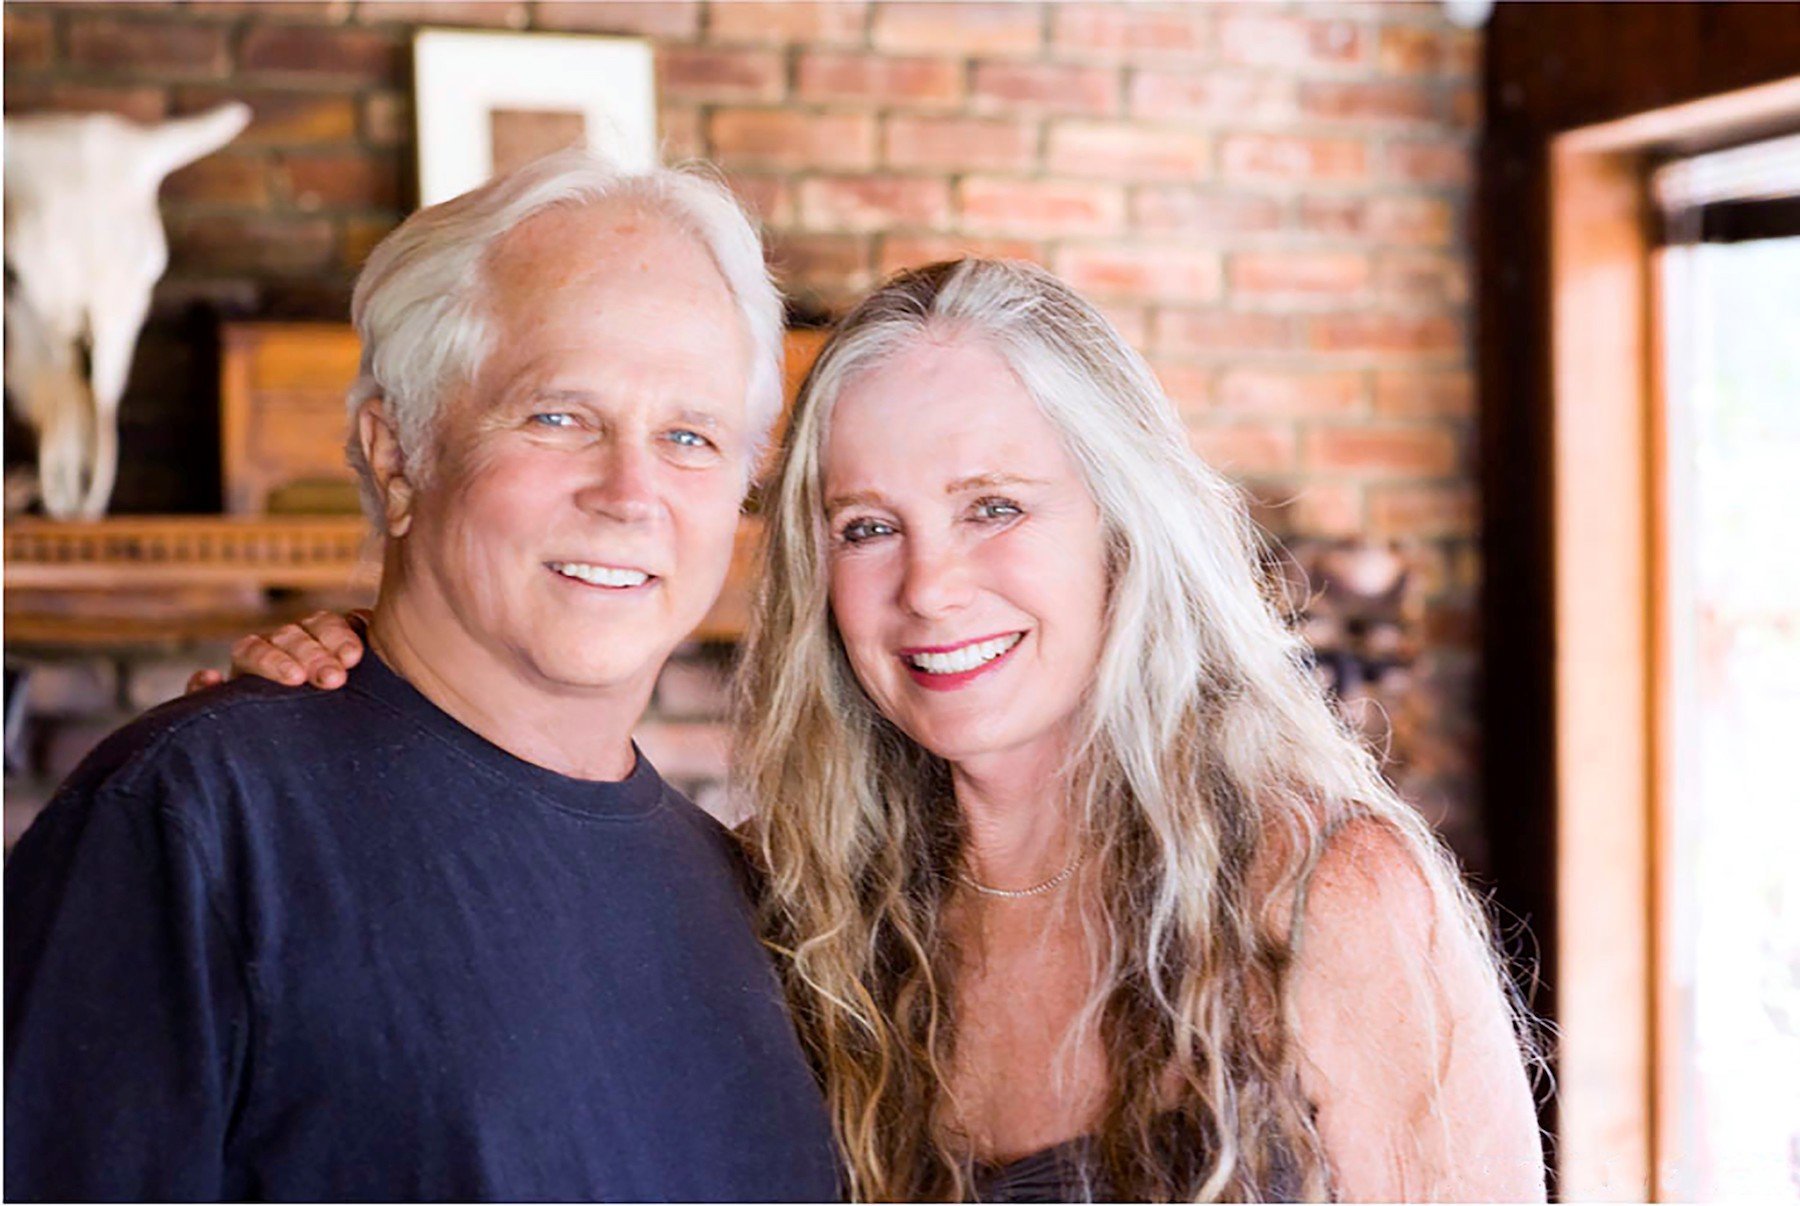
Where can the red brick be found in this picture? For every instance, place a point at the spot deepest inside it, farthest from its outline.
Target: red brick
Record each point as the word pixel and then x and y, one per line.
pixel 697 73
pixel 1411 219
pixel 341 180
pixel 1135 31
pixel 1002 87
pixel 1334 273
pixel 685 751
pixel 1425 393
pixel 30 40
pixel 879 80
pixel 1422 278
pixel 139 102
pixel 1152 272
pixel 969 27
pixel 1320 510
pixel 681 133
pixel 1253 37
pixel 1132 323
pixel 873 203
pixel 1171 208
pixel 1128 151
pixel 329 12
pixel 913 251
pixel 835 261
pixel 670 19
pixel 148 47
pixel 348 56
pixel 806 22
pixel 1375 333
pixel 1239 448
pixel 220 180
pixel 1040 208
pixel 386 118
pixel 1466 107
pixel 1442 163
pixel 443 12
pixel 1422 511
pixel 1382 451
pixel 1188 384
pixel 1411 50
pixel 770 198
pixel 264 245
pixel 1190 331
pixel 1289 392
pixel 1292 157
pixel 1212 94
pixel 960 144
pixel 790 138
pixel 1369 102
pixel 279 118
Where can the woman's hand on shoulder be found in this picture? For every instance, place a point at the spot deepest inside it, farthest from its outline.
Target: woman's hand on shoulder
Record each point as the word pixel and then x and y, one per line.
pixel 319 649
pixel 1406 1042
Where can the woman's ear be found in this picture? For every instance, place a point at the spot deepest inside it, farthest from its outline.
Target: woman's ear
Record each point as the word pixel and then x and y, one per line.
pixel 381 450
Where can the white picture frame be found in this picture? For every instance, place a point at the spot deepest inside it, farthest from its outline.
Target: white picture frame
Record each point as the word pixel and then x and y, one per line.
pixel 464 82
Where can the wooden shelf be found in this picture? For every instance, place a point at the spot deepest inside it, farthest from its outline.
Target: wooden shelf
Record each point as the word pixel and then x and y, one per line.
pixel 137 552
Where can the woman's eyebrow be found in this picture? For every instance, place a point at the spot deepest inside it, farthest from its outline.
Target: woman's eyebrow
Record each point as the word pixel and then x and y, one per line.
pixel 859 498
pixel 987 481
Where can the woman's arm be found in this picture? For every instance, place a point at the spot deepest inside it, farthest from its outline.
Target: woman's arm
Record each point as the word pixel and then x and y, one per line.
pixel 1406 1043
pixel 319 650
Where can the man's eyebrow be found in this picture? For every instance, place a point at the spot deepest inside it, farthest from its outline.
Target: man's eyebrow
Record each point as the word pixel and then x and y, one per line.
pixel 857 499
pixel 987 481
pixel 698 418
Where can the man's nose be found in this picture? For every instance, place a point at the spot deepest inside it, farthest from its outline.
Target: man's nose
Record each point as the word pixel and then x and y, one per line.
pixel 938 579
pixel 623 484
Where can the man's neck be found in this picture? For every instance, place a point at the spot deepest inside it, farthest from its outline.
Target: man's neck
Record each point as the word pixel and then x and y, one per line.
pixel 581 735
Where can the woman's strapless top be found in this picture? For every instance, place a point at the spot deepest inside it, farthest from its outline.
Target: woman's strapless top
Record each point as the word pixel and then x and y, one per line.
pixel 1068 1172
pixel 1063 1173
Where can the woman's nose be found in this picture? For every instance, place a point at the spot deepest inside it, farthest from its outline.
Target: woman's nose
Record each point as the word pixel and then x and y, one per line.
pixel 937 579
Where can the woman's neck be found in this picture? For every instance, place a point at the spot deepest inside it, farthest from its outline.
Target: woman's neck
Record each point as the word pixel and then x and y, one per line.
pixel 1016 817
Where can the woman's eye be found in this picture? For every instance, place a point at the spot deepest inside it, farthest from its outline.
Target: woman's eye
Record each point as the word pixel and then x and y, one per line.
pixel 997 508
pixel 859 530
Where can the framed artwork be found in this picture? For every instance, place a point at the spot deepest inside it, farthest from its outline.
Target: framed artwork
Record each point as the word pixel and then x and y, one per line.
pixel 487 102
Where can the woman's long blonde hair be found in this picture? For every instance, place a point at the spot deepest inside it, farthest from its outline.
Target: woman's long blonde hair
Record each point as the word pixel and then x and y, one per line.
pixel 1209 773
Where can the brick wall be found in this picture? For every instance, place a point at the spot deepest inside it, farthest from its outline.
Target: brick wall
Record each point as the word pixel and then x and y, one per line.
pixel 1271 201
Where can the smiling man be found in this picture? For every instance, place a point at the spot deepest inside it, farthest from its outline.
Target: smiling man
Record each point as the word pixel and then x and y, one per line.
pixel 444 934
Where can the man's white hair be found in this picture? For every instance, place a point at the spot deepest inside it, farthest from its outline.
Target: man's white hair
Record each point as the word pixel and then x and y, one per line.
pixel 419 302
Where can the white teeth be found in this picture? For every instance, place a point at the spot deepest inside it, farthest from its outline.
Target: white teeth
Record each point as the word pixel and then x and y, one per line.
pixel 600 575
pixel 957 661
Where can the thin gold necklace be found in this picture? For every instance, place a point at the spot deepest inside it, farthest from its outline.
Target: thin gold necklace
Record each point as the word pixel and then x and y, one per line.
pixel 1055 881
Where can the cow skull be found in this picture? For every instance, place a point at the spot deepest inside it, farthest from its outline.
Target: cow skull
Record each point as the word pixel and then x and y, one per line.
pixel 84 247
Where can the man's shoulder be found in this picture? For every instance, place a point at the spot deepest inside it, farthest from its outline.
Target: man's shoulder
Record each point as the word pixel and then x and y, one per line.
pixel 197 736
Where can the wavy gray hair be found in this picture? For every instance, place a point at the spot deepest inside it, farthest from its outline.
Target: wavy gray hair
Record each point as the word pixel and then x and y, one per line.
pixel 418 304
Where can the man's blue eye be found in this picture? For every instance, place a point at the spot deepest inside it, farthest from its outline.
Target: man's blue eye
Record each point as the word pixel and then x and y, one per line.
pixel 557 419
pixel 689 439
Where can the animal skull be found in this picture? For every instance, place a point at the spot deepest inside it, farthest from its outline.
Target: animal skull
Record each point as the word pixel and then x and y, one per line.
pixel 84 247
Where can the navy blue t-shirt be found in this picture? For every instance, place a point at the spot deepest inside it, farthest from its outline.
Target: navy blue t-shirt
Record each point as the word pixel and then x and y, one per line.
pixel 291 944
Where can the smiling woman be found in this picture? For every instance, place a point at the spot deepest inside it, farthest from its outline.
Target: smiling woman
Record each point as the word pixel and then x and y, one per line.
pixel 1082 888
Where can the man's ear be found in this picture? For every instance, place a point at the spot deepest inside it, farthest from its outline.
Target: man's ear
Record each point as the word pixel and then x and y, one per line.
pixel 381 449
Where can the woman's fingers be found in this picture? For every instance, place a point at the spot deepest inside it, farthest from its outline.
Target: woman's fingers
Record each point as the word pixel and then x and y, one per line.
pixel 318 663
pixel 263 657
pixel 335 634
pixel 200 680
